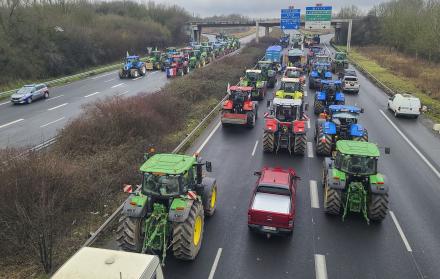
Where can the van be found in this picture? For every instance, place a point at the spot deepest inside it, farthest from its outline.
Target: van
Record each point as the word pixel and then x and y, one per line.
pixel 404 105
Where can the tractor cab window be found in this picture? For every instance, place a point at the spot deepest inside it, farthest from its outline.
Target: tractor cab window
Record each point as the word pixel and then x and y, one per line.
pixel 291 86
pixel 357 165
pixel 131 60
pixel 346 116
pixel 293 74
pixel 286 114
pixel 252 76
pixel 340 56
pixel 163 185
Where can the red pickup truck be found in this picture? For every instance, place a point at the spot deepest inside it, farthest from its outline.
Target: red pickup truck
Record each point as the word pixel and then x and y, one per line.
pixel 272 206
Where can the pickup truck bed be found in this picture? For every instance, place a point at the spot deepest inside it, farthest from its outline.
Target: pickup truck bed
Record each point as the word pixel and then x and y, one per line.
pixel 271 203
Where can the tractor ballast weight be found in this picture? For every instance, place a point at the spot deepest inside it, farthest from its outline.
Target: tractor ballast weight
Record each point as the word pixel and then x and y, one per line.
pixel 254 79
pixel 285 127
pixel 239 109
pixel 352 184
pixel 169 209
pixel 132 67
pixel 341 123
pixel 330 94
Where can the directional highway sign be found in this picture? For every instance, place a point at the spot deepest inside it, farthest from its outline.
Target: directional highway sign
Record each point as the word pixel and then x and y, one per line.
pixel 290 19
pixel 318 17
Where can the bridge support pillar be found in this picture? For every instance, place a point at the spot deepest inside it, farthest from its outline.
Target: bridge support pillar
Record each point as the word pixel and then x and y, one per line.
pixel 257 36
pixel 266 31
pixel 350 25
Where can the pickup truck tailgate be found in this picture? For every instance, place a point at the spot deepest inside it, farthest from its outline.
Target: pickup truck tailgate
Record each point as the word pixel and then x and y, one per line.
pixel 270 210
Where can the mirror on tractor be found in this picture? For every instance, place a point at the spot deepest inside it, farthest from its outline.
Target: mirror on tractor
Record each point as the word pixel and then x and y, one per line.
pixel 150 152
pixel 208 166
pixel 362 110
pixel 387 150
pixel 258 173
pixel 268 103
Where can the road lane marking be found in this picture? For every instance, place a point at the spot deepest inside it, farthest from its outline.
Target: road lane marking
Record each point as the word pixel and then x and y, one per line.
pixel 305 93
pixel 47 124
pixel 10 123
pixel 314 200
pixel 308 124
pixel 209 137
pixel 255 148
pixel 437 173
pixel 123 93
pixel 5 103
pixel 110 80
pixel 54 98
pixel 103 75
pixel 320 267
pixel 117 85
pixel 214 265
pixel 310 149
pixel 62 105
pixel 138 78
pixel 86 96
pixel 399 229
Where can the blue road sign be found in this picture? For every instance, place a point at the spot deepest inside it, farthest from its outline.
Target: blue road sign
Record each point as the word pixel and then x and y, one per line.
pixel 290 19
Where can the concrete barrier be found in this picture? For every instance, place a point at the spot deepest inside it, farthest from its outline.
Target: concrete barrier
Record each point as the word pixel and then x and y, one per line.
pixel 436 127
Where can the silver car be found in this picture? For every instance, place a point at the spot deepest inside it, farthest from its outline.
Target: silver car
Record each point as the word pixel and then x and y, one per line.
pixel 29 93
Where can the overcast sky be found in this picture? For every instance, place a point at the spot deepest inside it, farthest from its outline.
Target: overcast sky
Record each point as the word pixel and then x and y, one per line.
pixel 259 8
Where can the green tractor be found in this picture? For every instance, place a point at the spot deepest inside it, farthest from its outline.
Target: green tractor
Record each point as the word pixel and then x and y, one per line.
pixel 207 53
pixel 153 61
pixel 339 62
pixel 254 78
pixel 169 209
pixel 195 60
pixel 269 72
pixel 351 181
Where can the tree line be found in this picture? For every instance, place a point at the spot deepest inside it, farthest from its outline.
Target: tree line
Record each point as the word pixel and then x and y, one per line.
pixel 47 38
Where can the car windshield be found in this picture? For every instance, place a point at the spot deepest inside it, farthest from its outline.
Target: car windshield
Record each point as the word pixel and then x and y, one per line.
pixel 358 165
pixel 163 185
pixel 25 90
pixel 291 86
pixel 350 79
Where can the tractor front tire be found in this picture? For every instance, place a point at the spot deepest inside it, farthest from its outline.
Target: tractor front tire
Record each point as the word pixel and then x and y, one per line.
pixel 134 73
pixel 268 142
pixel 300 144
pixel 318 107
pixel 332 201
pixel 129 234
pixel 323 148
pixel 188 235
pixel 210 199
pixel 143 71
pixel 378 207
pixel 250 122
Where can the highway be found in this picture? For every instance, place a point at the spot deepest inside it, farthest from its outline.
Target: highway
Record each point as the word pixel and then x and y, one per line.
pixel 404 245
pixel 29 125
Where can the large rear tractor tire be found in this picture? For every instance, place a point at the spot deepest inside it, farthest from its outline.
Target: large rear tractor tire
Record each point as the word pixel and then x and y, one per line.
pixel 332 201
pixel 121 74
pixel 378 207
pixel 323 147
pixel 134 73
pixel 268 142
pixel 188 235
pixel 318 107
pixel 143 71
pixel 210 199
pixel 129 234
pixel 300 144
pixel 363 138
pixel 251 119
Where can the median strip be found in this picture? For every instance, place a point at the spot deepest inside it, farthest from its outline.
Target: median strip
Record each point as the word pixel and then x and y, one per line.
pixel 10 123
pixel 65 104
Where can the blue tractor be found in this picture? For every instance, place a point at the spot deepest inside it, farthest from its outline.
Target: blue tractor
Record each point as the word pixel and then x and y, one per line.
pixel 341 123
pixel 319 72
pixel 329 94
pixel 132 67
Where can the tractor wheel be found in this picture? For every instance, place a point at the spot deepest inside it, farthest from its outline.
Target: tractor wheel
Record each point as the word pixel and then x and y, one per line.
pixel 318 107
pixel 323 147
pixel 129 234
pixel 378 207
pixel 268 142
pixel 210 199
pixel 332 201
pixel 121 74
pixel 310 85
pixel 134 73
pixel 300 144
pixel 363 138
pixel 143 71
pixel 250 123
pixel 188 235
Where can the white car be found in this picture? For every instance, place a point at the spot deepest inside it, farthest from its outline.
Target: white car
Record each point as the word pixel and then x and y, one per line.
pixel 404 105
pixel 350 84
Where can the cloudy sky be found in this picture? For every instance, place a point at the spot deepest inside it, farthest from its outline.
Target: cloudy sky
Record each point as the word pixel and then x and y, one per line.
pixel 259 8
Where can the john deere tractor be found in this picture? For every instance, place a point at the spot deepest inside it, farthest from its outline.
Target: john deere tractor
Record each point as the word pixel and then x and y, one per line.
pixel 169 209
pixel 207 53
pixel 269 72
pixel 255 79
pixel 330 94
pixel 133 67
pixel 341 123
pixel 154 61
pixel 352 184
pixel 195 59
pixel 339 62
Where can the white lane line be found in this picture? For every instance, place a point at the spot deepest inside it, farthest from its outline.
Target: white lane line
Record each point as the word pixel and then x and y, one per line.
pixel 5 103
pixel 47 124
pixel 123 93
pixel 310 149
pixel 437 173
pixel 255 148
pixel 399 229
pixel 305 93
pixel 86 96
pixel 314 200
pixel 102 76
pixel 117 85
pixel 320 267
pixel 109 80
pixel 10 123
pixel 137 78
pixel 209 137
pixel 214 265
pixel 54 98
pixel 65 104
pixel 308 124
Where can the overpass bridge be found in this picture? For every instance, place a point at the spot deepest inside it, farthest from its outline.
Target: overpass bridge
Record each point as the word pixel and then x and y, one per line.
pixel 196 27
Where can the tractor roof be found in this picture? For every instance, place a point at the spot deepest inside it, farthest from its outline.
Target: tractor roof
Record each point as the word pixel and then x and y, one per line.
pixel 287 102
pixel 360 148
pixel 294 80
pixel 168 163
pixel 186 48
pixel 330 82
pixel 293 69
pixel 240 88
pixel 133 57
pixel 253 71
pixel 274 48
pixel 343 108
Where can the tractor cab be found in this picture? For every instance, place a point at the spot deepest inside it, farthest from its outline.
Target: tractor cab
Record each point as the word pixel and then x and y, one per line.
pixel 131 60
pixel 319 72
pixel 340 62
pixel 254 79
pixel 268 71
pixel 291 88
pixel 295 72
pixel 287 110
pixel 330 93
pixel 239 109
pixel 171 50
pixel 253 75
pixel 296 57
pixel 238 96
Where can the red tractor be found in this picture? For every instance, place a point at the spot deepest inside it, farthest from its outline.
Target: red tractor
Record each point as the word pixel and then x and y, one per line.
pixel 239 109
pixel 285 126
pixel 179 66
